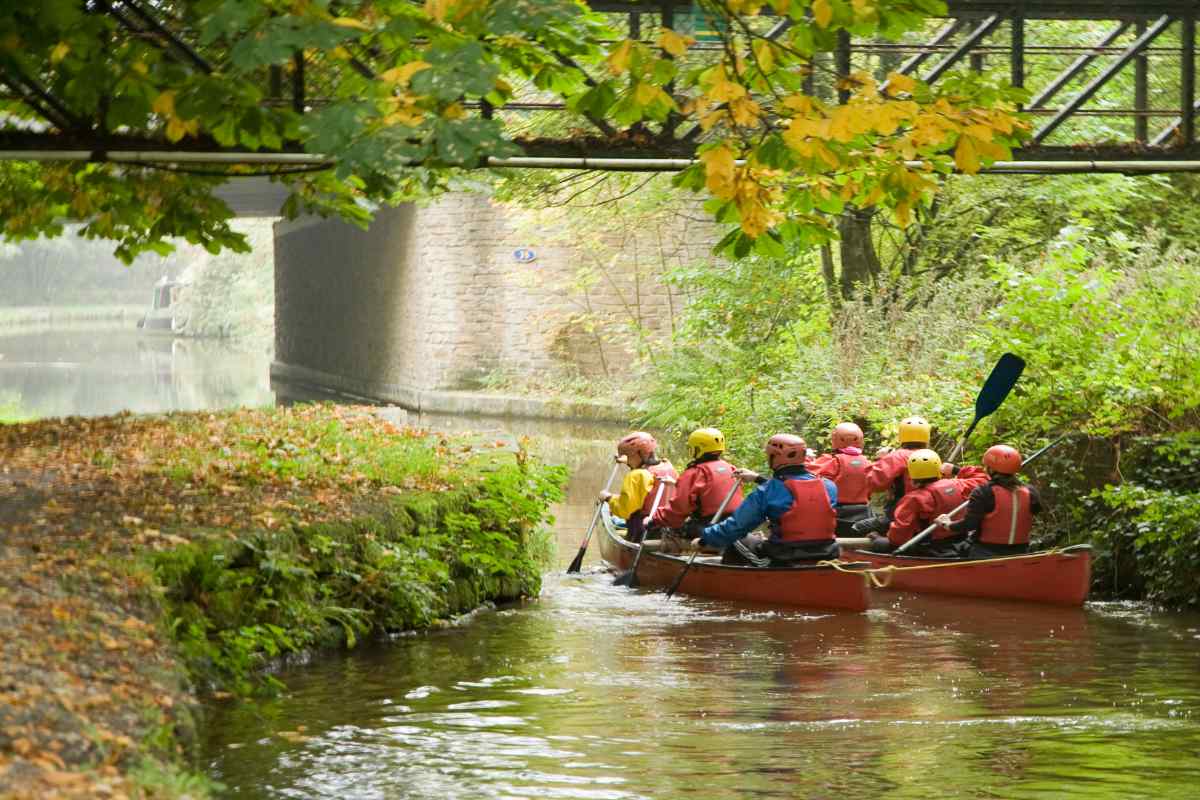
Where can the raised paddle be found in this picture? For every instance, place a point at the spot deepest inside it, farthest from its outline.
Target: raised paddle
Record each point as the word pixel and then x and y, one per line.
pixel 963 505
pixel 995 389
pixel 577 564
pixel 630 578
pixel 713 521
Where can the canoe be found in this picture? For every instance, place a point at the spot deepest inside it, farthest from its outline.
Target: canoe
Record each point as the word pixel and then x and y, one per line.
pixel 1058 577
pixel 813 586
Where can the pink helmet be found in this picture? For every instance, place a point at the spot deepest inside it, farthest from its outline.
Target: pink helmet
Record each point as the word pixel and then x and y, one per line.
pixel 639 442
pixel 785 449
pixel 847 434
pixel 1003 459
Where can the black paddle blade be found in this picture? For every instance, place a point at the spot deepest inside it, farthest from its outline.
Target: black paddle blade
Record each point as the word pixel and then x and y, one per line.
pixel 998 384
pixel 627 578
pixel 577 564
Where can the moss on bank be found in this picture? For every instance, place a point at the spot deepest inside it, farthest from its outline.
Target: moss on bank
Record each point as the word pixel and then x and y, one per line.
pixel 143 556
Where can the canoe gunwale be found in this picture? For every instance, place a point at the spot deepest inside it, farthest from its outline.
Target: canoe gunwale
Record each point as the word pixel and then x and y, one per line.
pixel 633 547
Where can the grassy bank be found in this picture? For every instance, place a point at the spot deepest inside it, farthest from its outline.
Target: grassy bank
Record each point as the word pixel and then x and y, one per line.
pixel 148 558
pixel 23 316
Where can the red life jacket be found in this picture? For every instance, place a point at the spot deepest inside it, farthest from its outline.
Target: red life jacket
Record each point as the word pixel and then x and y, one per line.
pixel 851 479
pixel 811 517
pixel 662 469
pixel 947 494
pixel 720 478
pixel 1011 520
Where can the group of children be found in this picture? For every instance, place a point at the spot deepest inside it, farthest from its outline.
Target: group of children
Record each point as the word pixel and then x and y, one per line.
pixel 812 499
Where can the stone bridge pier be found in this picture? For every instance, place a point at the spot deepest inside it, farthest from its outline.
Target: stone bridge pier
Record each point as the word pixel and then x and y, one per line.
pixel 435 302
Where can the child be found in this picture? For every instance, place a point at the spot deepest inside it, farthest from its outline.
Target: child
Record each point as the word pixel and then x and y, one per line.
pixel 702 486
pixel 847 467
pixel 646 473
pixel 999 513
pixel 931 496
pixel 799 505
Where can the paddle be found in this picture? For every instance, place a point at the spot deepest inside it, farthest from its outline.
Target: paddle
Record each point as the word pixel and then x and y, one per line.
pixel 577 564
pixel 963 505
pixel 630 578
pixel 995 389
pixel 713 521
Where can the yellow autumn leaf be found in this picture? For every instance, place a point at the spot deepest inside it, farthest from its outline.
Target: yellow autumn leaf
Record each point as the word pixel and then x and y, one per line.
pixel 764 53
pixel 744 112
pixel 900 84
pixel 437 9
pixel 403 73
pixel 822 12
pixel 350 22
pixel 645 93
pixel 718 171
pixel 801 103
pixel 454 111
pixel 723 90
pixel 966 155
pixel 164 104
pixel 175 129
pixel 618 59
pixel 980 131
pixel 904 213
pixel 59 52
pixel 674 43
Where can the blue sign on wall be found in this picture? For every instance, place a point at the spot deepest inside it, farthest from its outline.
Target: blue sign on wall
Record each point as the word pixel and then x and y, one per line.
pixel 524 255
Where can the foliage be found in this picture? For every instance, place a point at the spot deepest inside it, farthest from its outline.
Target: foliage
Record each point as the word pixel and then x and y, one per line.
pixel 1111 347
pixel 233 295
pixel 1149 531
pixel 234 605
pixel 400 80
pixel 67 271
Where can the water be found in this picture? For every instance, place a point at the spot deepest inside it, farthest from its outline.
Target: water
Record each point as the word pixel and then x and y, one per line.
pixel 600 692
pixel 606 693
pixel 91 370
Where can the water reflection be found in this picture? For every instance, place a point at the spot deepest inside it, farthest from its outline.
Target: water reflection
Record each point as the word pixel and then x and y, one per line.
pixel 90 370
pixel 596 691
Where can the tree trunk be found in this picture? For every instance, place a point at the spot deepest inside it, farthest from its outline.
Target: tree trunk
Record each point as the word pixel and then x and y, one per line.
pixel 860 262
pixel 831 283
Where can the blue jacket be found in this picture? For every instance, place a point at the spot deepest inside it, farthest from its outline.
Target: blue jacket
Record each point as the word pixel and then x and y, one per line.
pixel 771 501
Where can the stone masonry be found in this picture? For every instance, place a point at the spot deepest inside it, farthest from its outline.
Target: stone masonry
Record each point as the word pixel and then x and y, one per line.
pixel 434 297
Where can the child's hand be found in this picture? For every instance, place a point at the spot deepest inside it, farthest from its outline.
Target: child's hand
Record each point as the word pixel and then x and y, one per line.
pixel 743 474
pixel 606 496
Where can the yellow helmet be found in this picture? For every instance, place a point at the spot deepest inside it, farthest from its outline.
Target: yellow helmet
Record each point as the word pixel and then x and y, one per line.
pixel 924 464
pixel 705 440
pixel 914 430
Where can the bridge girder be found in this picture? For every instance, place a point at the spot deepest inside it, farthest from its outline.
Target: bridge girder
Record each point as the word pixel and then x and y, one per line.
pixel 1154 39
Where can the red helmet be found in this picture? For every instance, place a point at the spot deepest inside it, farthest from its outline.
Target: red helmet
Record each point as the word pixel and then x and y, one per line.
pixel 847 434
pixel 1003 459
pixel 785 449
pixel 637 443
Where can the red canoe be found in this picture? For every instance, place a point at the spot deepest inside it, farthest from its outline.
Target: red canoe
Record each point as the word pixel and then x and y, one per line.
pixel 1061 577
pixel 807 587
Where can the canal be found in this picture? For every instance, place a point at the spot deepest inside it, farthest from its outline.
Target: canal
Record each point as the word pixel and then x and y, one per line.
pixel 594 691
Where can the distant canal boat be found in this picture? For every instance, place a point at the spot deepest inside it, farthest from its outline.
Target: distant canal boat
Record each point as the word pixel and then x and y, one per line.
pixel 164 315
pixel 818 587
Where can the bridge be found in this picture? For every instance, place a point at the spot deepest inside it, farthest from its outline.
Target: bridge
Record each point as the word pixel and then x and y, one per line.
pixel 434 299
pixel 1141 57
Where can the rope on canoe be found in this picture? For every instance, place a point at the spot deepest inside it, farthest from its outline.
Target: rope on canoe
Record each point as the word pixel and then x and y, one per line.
pixel 891 569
